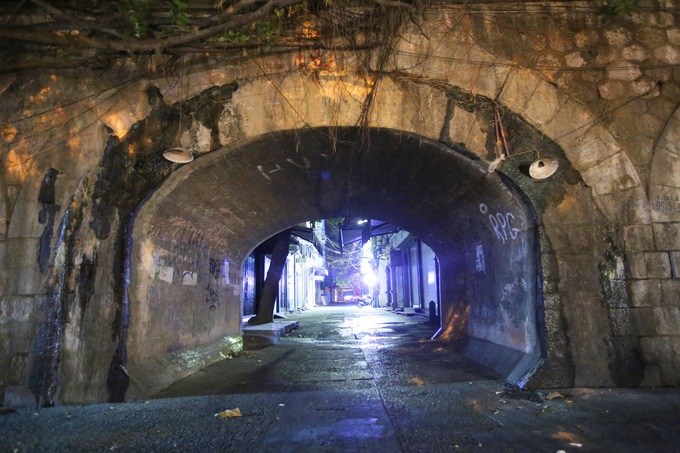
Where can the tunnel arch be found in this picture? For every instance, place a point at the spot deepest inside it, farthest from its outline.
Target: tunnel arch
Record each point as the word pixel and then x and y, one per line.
pixel 210 214
pixel 664 184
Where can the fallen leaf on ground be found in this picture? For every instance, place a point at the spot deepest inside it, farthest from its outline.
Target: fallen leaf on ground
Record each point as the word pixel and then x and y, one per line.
pixel 228 413
pixel 553 395
pixel 566 436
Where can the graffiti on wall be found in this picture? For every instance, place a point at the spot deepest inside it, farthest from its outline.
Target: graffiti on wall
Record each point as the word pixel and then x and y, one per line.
pixel 189 278
pixel 511 308
pixel 187 249
pixel 276 168
pixel 501 223
pixel 214 273
pixel 480 264
pixel 218 276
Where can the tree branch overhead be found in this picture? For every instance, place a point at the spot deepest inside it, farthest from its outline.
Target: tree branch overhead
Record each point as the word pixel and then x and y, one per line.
pixel 61 30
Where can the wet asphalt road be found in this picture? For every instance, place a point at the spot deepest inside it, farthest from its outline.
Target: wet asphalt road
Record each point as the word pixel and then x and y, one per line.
pixel 355 380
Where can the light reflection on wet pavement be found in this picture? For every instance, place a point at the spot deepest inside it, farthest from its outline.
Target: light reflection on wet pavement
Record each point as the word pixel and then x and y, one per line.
pixel 356 380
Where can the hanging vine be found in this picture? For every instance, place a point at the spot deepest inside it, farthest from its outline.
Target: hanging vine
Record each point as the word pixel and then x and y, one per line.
pixel 155 33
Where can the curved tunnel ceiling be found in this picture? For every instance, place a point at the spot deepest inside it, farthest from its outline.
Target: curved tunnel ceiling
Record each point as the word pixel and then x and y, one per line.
pixel 237 197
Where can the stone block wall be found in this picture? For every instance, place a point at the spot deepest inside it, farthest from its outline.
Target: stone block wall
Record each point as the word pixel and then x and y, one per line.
pixel 654 286
pixel 599 94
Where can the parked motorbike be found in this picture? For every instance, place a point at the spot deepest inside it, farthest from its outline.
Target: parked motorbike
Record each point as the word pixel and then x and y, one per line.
pixel 364 301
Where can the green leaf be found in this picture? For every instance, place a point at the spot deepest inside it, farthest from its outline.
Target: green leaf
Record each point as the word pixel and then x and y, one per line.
pixel 178 9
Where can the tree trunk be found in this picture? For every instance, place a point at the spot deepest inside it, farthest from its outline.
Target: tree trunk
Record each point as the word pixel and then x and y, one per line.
pixel 270 289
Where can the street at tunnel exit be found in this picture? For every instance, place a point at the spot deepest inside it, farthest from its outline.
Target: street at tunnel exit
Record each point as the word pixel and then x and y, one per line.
pixel 355 380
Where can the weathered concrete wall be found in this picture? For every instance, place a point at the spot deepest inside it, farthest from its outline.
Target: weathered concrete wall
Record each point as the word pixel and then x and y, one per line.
pixel 572 85
pixel 502 269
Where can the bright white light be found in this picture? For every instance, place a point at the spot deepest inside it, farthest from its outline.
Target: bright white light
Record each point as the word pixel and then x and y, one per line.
pixel 370 279
pixel 367 275
pixel 362 221
pixel 366 253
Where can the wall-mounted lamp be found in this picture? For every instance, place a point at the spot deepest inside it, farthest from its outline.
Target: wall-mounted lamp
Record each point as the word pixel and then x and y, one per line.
pixel 543 167
pixel 178 155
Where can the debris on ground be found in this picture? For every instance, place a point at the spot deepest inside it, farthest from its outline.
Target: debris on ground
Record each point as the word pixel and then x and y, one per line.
pixel 517 393
pixel 553 396
pixel 229 413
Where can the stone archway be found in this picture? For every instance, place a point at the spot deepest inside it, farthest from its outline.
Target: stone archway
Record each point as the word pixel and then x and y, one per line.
pixel 664 179
pixel 582 232
pixel 211 213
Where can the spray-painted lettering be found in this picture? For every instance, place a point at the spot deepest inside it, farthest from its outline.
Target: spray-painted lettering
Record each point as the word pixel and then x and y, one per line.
pixel 266 173
pixel 502 225
pixel 306 163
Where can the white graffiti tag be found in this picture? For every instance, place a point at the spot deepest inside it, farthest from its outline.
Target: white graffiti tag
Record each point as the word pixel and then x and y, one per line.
pixel 501 224
pixel 265 173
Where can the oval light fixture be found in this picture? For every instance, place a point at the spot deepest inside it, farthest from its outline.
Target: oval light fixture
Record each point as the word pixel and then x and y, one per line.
pixel 543 167
pixel 178 155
